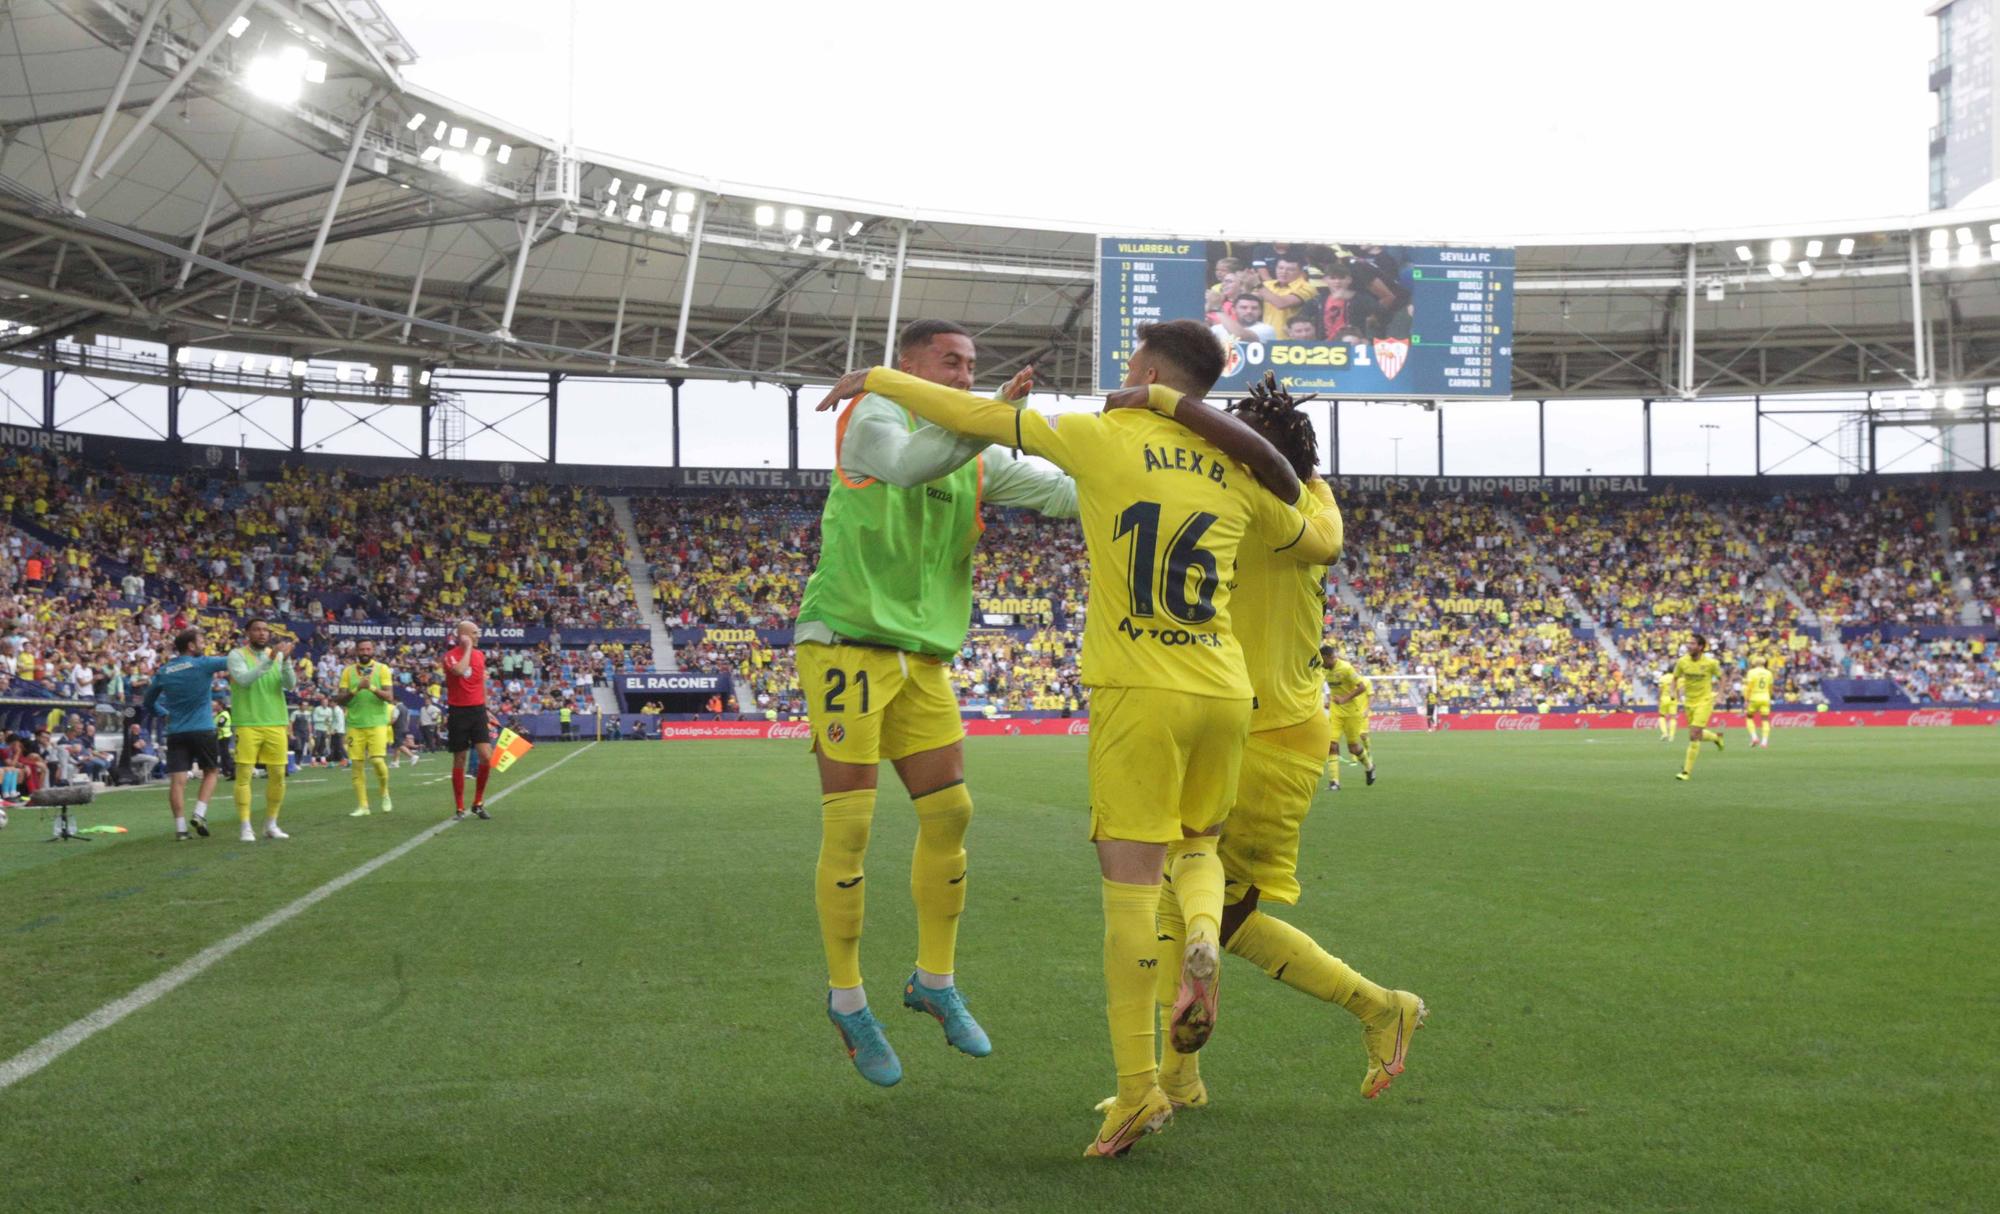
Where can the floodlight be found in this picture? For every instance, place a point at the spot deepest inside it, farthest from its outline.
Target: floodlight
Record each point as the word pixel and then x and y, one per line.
pixel 639 192
pixel 684 201
pixel 185 357
pixel 1846 245
pixel 1927 399
pixel 1993 232
pixel 399 375
pixel 1781 249
pixel 823 243
pixel 28 330
pixel 1805 269
pixel 250 364
pixel 1968 255
pixel 1814 248
pixel 798 239
pixel 766 214
pixel 633 212
pixel 222 360
pixel 371 373
pixel 854 229
pixel 442 127
pixel 457 137
pixel 1742 250
pixel 432 153
pixel 315 71
pixel 1939 238
pixel 504 154
pixel 471 170
pixel 658 218
pixel 610 207
pixel 612 189
pixel 1954 398
pixel 1965 236
pixel 424 380
pixel 416 120
pixel 823 224
pixel 1777 269
pixel 795 219
pixel 237 27
pixel 1715 290
pixel 480 145
pixel 1940 257
pixel 678 225
pixel 298 368
pixel 448 160
pixel 278 78
pixel 5 324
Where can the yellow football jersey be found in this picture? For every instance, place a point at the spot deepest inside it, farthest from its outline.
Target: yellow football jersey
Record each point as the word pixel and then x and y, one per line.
pixel 1279 613
pixel 1343 678
pixel 1757 683
pixel 1164 516
pixel 1667 692
pixel 1698 677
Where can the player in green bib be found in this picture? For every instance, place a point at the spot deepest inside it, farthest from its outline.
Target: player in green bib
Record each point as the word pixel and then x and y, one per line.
pixel 884 614
pixel 367 692
pixel 260 674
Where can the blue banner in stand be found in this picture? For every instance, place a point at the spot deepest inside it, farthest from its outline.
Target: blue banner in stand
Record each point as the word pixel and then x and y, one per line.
pixel 1368 321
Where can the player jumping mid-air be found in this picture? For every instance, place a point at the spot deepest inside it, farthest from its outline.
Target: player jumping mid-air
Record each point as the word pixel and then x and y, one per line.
pixel 1697 680
pixel 1164 514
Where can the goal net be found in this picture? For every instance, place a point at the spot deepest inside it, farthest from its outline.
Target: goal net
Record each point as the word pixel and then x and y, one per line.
pixel 1400 692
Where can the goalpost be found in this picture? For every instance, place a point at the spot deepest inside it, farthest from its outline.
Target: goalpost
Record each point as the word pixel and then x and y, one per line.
pixel 1400 692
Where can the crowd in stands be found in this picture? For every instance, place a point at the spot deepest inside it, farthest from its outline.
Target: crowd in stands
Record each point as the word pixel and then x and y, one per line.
pixel 1870 557
pixel 1975 541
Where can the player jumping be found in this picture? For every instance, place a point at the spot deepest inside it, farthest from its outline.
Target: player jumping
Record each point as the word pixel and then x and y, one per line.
pixel 1697 679
pixel 884 613
pixel 1164 514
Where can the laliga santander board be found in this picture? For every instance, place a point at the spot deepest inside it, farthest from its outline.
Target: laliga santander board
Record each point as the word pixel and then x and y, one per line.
pixel 1387 320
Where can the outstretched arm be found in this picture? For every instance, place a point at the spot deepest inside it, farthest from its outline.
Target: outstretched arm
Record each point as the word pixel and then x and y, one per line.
pixel 1229 435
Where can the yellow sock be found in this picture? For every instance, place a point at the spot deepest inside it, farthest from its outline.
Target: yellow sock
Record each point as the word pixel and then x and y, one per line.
pixel 938 874
pixel 1767 729
pixel 274 793
pixel 244 772
pixel 1295 959
pixel 1694 752
pixel 1177 1070
pixel 1130 954
pixel 843 840
pixel 381 766
pixel 1196 872
pixel 359 775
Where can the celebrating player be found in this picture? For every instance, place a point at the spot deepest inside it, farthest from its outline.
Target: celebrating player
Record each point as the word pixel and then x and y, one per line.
pixel 466 725
pixel 1348 693
pixel 186 682
pixel 1277 613
pixel 260 674
pixel 1757 703
pixel 1670 724
pixel 1163 516
pixel 883 615
pixel 367 695
pixel 1697 676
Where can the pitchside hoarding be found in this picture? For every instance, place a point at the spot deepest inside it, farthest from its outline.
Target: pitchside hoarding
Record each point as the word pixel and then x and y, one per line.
pixel 1370 321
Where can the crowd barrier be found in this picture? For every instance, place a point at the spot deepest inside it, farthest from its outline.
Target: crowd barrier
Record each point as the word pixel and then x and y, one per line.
pixel 1503 722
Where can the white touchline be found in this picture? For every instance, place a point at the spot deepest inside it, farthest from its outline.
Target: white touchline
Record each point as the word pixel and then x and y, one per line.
pixel 63 1040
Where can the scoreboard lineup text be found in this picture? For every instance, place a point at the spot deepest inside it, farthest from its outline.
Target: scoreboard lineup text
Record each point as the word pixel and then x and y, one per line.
pixel 1450 332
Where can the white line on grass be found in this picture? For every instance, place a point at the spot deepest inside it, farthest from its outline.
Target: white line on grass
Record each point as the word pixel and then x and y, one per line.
pixel 63 1040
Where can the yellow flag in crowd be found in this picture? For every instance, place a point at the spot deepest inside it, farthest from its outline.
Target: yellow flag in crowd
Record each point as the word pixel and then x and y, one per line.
pixel 509 747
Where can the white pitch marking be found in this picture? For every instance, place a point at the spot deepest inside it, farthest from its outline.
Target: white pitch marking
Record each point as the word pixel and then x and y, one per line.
pixel 63 1040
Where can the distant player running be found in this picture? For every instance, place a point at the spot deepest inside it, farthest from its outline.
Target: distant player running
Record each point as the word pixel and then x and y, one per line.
pixel 884 613
pixel 1757 703
pixel 1277 613
pixel 1697 681
pixel 260 674
pixel 368 696
pixel 186 682
pixel 465 725
pixel 1670 708
pixel 1348 694
pixel 1164 513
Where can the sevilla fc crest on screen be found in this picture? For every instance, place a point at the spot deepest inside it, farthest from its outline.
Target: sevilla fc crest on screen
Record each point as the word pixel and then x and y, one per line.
pixel 1390 354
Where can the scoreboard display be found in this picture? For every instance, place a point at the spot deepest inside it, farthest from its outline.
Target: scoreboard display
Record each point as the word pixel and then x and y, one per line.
pixel 1374 321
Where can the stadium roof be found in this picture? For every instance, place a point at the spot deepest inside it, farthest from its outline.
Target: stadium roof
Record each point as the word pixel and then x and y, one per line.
pixel 421 257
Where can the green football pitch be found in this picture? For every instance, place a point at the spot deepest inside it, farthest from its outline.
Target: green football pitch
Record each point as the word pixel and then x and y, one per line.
pixel 1777 987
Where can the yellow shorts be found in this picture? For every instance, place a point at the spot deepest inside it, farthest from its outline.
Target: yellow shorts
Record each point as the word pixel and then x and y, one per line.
pixel 1698 714
pixel 1759 706
pixel 1350 720
pixel 867 705
pixel 1668 708
pixel 368 742
pixel 269 745
pixel 1162 763
pixel 1260 842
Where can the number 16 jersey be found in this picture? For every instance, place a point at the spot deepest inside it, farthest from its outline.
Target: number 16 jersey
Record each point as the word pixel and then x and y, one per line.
pixel 1164 514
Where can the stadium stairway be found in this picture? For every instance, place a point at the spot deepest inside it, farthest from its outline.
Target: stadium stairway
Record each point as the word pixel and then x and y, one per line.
pixel 1829 630
pixel 1552 583
pixel 1954 567
pixel 642 586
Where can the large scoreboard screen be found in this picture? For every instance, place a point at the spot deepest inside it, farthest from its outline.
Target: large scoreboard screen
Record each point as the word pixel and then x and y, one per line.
pixel 1342 320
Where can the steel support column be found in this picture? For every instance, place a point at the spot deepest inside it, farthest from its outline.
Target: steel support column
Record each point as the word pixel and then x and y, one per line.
pixel 1438 407
pixel 171 91
pixel 298 418
pixel 531 230
pixel 555 379
pixel 1687 336
pixel 896 294
pixel 417 283
pixel 1333 426
pixel 424 431
pixel 49 387
pixel 693 262
pixel 174 390
pixel 215 196
pixel 114 102
pixel 675 386
pixel 792 420
pixel 1923 359
pixel 1757 434
pixel 618 320
pixel 339 189
pixel 1646 420
pixel 1541 438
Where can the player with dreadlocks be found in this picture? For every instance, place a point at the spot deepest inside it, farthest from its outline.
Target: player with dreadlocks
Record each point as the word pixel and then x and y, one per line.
pixel 1280 613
